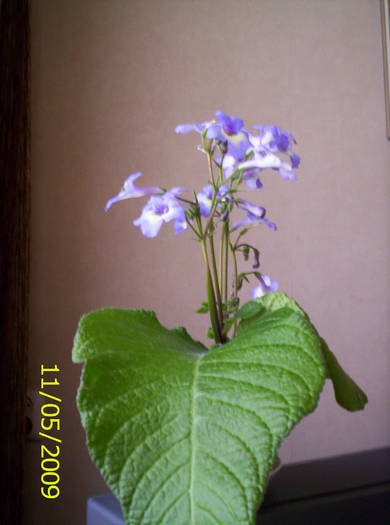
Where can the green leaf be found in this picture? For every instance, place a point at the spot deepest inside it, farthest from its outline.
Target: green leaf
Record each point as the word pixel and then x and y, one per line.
pixel 249 309
pixel 228 323
pixel 210 332
pixel 186 436
pixel 274 301
pixel 245 252
pixel 203 308
pixel 347 393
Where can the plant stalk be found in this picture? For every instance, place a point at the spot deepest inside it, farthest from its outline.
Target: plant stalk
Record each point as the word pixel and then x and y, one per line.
pixel 216 281
pixel 235 289
pixel 226 269
pixel 211 297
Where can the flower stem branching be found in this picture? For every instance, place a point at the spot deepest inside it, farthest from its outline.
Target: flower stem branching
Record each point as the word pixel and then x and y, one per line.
pixel 235 155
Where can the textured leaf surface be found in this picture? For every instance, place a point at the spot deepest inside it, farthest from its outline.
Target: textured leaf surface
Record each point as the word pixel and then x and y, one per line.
pixel 347 393
pixel 184 436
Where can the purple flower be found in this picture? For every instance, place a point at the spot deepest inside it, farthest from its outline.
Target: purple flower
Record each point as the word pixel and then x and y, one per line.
pixel 229 165
pixel 265 285
pixel 255 215
pixel 286 171
pixel 263 160
pixel 274 139
pixel 130 191
pixel 161 209
pixel 225 128
pixel 254 209
pixel 230 129
pixel 265 147
pixel 250 175
pixel 184 129
pixel 205 198
pixel 251 179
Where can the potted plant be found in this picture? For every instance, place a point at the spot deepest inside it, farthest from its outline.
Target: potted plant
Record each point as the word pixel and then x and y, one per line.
pixel 185 434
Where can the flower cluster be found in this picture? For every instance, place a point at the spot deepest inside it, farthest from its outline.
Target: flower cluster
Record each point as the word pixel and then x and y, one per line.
pixel 235 156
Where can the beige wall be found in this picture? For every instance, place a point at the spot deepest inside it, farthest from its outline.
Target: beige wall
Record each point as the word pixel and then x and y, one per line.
pixel 110 80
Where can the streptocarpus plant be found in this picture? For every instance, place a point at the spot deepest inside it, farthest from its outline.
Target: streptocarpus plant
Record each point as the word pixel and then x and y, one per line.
pixel 184 434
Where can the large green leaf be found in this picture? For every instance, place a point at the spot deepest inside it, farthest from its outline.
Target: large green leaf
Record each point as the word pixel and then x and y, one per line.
pixel 347 393
pixel 184 436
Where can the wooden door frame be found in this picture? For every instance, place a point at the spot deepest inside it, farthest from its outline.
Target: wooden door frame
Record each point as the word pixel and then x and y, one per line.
pixel 14 249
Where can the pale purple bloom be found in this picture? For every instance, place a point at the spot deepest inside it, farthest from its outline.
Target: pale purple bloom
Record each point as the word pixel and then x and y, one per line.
pixel 274 139
pixel 230 129
pixel 229 165
pixel 265 285
pixel 180 223
pixel 255 215
pixel 250 176
pixel 188 128
pixel 205 197
pixel 226 128
pixel 130 191
pixel 261 161
pixel 254 209
pixel 204 200
pixel 251 179
pixel 286 171
pixel 161 209
pixel 265 147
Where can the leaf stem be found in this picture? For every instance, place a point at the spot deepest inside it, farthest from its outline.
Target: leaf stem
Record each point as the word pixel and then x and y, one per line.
pixel 221 259
pixel 193 229
pixel 209 161
pixel 235 289
pixel 226 269
pixel 216 281
pixel 211 297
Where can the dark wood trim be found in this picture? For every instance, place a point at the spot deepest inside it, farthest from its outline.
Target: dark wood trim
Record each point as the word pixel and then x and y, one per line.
pixel 14 249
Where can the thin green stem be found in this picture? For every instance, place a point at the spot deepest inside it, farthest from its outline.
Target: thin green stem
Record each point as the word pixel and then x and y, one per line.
pixel 250 273
pixel 221 260
pixel 220 178
pixel 213 209
pixel 239 237
pixel 226 230
pixel 235 289
pixel 210 163
pixel 184 200
pixel 216 281
pixel 193 229
pixel 211 297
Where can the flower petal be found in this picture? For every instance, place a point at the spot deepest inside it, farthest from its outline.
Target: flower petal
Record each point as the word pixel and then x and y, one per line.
pixel 268 161
pixel 230 124
pixel 130 191
pixel 257 211
pixel 265 285
pixel 149 222
pixel 157 210
pixel 189 128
